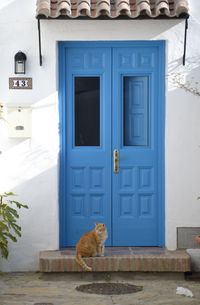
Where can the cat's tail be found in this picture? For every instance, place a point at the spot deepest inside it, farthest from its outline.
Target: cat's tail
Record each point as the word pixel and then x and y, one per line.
pixel 81 262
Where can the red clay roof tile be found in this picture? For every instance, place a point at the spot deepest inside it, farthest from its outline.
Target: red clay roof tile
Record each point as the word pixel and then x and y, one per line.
pixel 111 8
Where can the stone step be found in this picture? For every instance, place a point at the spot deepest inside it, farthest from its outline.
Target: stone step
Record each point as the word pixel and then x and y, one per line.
pixel 119 259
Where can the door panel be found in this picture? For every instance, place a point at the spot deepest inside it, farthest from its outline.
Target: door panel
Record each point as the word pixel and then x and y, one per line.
pixel 113 110
pixel 136 114
pixel 88 141
pixel 135 217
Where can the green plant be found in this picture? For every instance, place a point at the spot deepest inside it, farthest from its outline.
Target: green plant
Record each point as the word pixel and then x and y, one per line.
pixel 9 229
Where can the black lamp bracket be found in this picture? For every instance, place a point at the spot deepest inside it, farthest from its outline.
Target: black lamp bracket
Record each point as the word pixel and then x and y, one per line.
pixel 40 44
pixel 185 40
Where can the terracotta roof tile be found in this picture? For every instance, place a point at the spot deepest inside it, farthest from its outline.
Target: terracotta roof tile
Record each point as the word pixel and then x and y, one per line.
pixel 111 8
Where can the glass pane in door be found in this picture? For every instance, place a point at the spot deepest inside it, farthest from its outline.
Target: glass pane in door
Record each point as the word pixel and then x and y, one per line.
pixel 87 111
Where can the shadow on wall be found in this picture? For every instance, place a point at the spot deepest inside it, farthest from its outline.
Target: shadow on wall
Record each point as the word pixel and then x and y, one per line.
pixel 29 169
pixel 24 159
pixel 185 78
pixel 192 63
pixel 39 223
pixel 22 162
pixel 183 139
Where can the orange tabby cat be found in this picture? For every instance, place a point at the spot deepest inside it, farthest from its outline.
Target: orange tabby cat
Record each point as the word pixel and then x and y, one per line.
pixel 91 244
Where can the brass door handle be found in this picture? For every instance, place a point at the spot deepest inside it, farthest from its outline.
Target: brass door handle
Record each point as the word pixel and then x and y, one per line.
pixel 115 161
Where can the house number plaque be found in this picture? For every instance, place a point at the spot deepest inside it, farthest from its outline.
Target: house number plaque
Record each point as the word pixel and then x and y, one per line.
pixel 20 83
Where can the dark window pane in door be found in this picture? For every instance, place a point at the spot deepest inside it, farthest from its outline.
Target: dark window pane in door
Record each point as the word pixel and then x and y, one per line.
pixel 136 111
pixel 87 111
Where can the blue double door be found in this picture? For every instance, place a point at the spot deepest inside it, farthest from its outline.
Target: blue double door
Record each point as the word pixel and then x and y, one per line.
pixel 112 122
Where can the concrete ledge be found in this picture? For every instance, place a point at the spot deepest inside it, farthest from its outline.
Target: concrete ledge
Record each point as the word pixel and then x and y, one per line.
pixel 195 259
pixel 119 260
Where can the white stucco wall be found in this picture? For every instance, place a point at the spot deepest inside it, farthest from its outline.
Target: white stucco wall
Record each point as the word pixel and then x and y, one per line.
pixel 29 167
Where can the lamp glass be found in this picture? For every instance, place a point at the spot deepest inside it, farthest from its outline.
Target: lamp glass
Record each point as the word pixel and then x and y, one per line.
pixel 20 60
pixel 20 67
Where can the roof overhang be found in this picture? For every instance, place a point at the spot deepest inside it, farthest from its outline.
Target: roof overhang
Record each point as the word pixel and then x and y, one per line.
pixel 112 10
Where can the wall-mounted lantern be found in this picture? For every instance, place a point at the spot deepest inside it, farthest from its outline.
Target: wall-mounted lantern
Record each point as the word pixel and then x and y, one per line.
pixel 20 63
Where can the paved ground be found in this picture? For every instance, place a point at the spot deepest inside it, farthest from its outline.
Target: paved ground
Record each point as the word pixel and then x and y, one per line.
pixel 59 289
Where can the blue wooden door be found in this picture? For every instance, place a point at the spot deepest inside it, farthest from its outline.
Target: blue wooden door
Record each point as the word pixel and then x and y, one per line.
pixel 136 123
pixel 112 141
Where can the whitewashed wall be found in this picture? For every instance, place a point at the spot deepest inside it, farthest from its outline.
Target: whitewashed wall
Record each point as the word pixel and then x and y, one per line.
pixel 30 167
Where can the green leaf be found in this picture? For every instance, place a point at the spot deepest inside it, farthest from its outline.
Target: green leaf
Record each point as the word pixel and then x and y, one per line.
pixel 20 205
pixel 3 238
pixel 4 249
pixel 17 229
pixel 8 194
pixel 10 236
pixel 9 217
pixel 12 211
pixel 3 226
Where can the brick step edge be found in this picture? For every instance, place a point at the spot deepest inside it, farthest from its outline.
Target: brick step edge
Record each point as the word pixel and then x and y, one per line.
pixel 115 264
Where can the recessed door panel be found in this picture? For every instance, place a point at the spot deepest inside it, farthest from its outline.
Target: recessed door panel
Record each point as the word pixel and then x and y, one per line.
pixel 136 110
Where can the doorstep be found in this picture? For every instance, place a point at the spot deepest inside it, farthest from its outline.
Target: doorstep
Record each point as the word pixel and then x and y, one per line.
pixel 116 259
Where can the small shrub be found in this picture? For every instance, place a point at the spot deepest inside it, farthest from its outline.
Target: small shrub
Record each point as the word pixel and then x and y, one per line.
pixel 9 229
